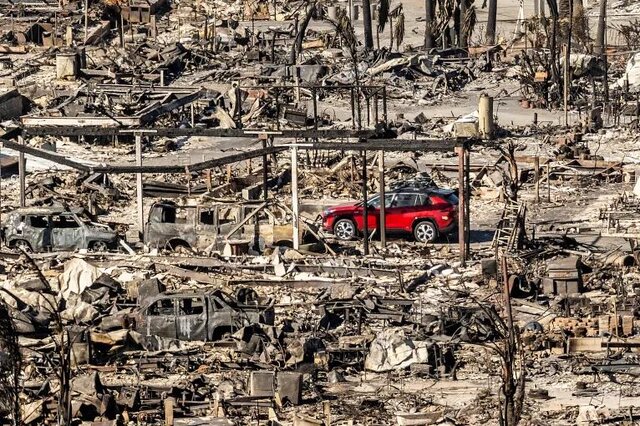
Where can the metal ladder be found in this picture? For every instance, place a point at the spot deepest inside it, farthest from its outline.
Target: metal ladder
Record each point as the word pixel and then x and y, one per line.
pixel 506 236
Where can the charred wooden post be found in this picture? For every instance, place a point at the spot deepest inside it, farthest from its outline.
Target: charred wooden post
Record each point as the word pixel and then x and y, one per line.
pixel 467 199
pixel 383 224
pixel 460 151
pixel 22 173
pixel 139 198
pixel 365 205
pixel 265 170
pixel 295 206
pixel 536 166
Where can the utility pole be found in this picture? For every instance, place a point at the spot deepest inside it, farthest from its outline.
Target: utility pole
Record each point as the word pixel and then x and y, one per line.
pixel 491 22
pixel 366 17
pixel 429 15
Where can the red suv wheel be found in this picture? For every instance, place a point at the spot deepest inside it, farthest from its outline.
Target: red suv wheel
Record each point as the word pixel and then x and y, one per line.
pixel 425 232
pixel 344 229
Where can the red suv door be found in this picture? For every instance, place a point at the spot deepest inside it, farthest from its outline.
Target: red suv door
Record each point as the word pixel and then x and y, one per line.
pixel 402 211
pixel 373 213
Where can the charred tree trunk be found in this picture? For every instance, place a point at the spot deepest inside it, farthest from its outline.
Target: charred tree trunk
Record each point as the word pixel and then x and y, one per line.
pixel 429 15
pixel 491 22
pixel 368 29
pixel 600 49
pixel 462 35
pixel 296 49
pixel 10 363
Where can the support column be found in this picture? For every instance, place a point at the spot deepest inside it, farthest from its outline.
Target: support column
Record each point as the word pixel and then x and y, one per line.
pixel 383 224
pixel 139 187
pixel 22 173
pixel 365 206
pixel 467 206
pixel 295 206
pixel 461 204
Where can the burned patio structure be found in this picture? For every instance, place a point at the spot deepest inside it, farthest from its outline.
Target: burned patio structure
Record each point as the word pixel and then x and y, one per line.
pixel 217 144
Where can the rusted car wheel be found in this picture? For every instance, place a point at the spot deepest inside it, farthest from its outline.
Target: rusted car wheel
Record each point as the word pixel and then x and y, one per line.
pixel 99 246
pixel 22 245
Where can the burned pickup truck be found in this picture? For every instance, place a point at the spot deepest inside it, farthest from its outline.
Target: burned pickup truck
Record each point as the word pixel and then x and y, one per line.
pixel 210 226
pixel 206 316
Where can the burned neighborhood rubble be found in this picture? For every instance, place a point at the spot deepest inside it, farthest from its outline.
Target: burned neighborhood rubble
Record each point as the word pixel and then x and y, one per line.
pixel 314 213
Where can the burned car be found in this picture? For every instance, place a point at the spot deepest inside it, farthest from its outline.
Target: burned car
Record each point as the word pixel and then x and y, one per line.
pixel 210 226
pixel 56 228
pixel 199 315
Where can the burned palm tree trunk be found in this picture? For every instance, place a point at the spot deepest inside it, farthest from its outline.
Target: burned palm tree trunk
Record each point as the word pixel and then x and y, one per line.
pixel 368 30
pixel 429 18
pixel 10 361
pixel 491 22
pixel 600 49
pixel 553 8
pixel 462 35
pixel 296 49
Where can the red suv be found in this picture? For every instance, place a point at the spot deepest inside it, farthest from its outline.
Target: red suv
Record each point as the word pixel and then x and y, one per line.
pixel 425 213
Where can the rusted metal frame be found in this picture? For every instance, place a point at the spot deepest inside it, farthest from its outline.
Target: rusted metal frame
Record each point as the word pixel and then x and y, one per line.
pixel 245 220
pixel 153 111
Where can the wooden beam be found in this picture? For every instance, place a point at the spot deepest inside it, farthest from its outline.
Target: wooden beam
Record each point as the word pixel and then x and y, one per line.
pixel 96 126
pixel 197 167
